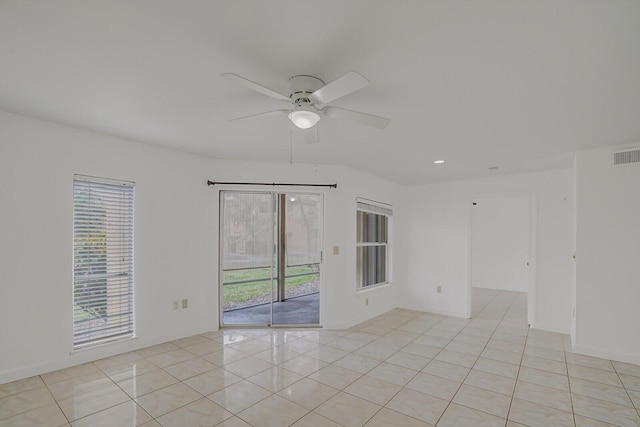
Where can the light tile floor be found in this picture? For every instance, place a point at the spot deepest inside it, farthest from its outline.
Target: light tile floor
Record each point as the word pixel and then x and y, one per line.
pixel 403 368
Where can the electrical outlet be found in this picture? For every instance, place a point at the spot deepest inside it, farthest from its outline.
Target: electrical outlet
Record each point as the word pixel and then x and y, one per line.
pixel 175 304
pixel 185 303
pixel 439 289
pixel 366 301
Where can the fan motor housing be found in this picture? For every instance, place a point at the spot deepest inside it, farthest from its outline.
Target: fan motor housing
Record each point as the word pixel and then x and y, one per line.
pixel 301 87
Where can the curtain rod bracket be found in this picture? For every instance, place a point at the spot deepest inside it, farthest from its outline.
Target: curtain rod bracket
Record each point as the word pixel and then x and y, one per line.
pixel 274 184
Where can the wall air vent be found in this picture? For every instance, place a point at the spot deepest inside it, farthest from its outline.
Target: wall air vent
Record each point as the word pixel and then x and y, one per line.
pixel 626 157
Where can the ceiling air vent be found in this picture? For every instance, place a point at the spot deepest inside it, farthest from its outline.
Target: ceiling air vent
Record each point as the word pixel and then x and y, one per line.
pixel 626 157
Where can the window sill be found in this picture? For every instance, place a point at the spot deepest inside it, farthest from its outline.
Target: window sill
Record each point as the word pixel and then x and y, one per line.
pixel 373 288
pixel 102 344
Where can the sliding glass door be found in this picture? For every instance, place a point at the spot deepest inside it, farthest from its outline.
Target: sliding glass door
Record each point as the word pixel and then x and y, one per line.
pixel 246 261
pixel 270 257
pixel 297 296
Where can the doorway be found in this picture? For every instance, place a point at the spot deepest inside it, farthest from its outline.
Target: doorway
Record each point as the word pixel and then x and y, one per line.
pixel 502 242
pixel 270 258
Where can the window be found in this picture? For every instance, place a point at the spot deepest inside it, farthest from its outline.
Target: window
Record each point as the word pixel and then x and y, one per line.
pixel 372 247
pixel 102 260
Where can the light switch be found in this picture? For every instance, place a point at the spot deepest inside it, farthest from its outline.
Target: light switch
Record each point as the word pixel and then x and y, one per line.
pixel 336 250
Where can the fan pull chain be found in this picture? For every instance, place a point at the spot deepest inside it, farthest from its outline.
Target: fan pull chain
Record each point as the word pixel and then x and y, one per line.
pixel 290 146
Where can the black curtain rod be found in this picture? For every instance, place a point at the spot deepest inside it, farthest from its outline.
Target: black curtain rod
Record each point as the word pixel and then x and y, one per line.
pixel 271 184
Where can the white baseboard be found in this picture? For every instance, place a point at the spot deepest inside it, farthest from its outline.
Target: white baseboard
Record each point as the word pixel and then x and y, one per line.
pixel 352 322
pixel 91 354
pixel 607 354
pixel 551 328
pixel 433 309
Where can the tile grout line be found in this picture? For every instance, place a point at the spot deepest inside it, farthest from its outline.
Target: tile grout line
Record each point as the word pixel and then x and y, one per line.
pixel 478 357
pixel 513 393
pixel 521 357
pixel 127 394
pixel 55 400
pixel 396 328
pixel 434 358
pixel 568 381
pixel 637 408
pixel 566 364
pixel 276 393
pixel 401 388
pixel 179 381
pixel 491 308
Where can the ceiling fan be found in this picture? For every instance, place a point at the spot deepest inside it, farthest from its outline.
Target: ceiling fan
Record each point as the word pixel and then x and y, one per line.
pixel 309 96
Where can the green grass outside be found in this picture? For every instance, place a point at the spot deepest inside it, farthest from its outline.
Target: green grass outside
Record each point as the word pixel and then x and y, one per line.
pixel 247 291
pixel 80 314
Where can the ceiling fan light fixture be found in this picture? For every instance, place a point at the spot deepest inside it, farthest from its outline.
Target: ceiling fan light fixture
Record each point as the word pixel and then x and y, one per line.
pixel 304 119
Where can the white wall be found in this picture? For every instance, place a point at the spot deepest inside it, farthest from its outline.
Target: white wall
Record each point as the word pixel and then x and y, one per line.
pixel 500 230
pixel 608 257
pixel 438 244
pixel 177 251
pixel 176 235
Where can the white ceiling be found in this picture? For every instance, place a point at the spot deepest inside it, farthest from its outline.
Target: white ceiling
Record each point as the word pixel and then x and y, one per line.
pixel 515 84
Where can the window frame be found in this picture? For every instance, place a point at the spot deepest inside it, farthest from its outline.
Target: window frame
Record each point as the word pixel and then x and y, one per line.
pixel 107 223
pixel 380 209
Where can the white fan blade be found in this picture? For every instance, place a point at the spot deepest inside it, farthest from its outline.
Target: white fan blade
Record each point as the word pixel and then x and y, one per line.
pixel 260 115
pixel 357 117
pixel 255 86
pixel 338 88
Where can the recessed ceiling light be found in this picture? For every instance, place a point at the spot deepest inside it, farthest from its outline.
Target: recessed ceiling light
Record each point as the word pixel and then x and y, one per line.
pixel 438 162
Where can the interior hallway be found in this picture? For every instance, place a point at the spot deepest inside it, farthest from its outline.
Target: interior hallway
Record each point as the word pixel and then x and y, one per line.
pixel 402 368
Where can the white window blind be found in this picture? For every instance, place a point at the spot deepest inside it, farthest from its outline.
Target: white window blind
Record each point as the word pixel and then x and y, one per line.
pixel 303 229
pixel 247 227
pixel 372 243
pixel 102 260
